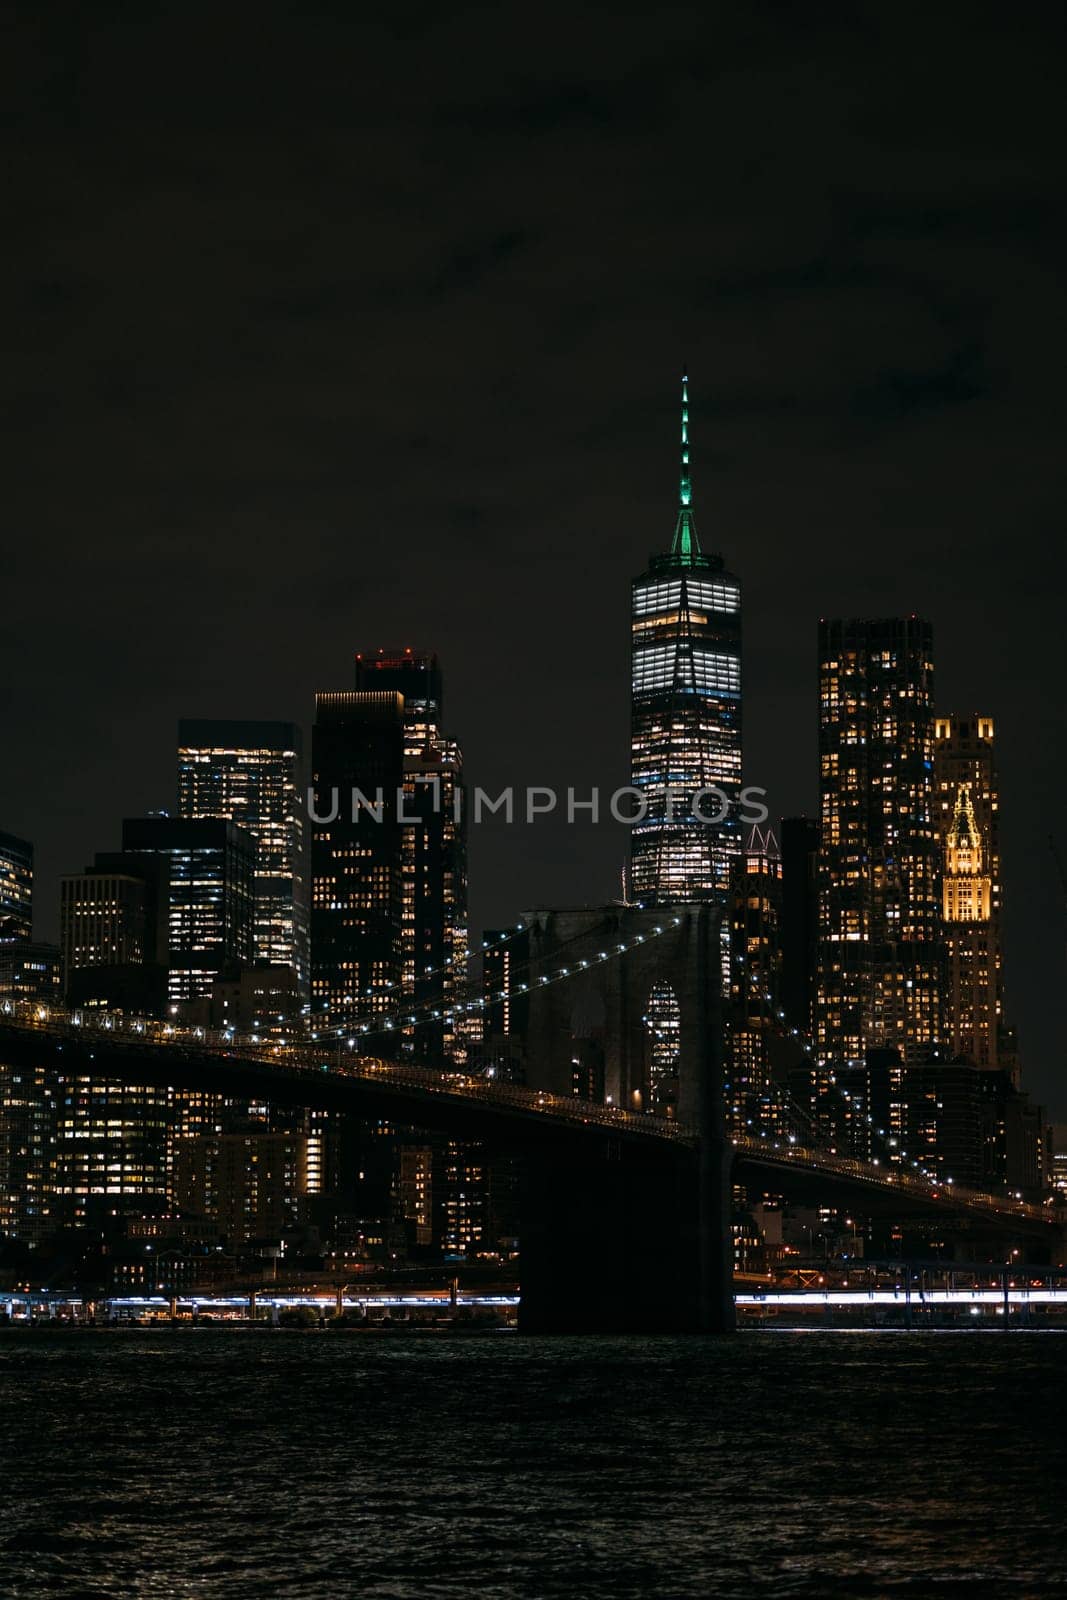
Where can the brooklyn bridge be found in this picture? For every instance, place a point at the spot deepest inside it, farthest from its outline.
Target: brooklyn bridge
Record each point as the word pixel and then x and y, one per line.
pixel 653 1190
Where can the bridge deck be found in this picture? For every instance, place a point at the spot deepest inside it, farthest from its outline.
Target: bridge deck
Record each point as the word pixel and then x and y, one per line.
pixel 244 1064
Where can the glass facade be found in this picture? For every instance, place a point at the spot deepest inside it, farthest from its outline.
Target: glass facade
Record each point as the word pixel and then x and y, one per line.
pixel 685 717
pixel 16 887
pixel 357 755
pixel 755 1102
pixel 251 772
pixel 433 844
pixel 209 864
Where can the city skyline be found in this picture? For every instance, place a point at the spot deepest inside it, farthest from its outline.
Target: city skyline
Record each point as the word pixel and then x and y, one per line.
pixel 255 455
pixel 1042 1077
pixel 432 1006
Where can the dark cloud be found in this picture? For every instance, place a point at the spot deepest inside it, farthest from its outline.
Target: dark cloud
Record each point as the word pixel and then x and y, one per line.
pixel 331 329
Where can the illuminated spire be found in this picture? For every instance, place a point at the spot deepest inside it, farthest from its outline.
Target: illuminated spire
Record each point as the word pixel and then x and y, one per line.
pixel 685 487
pixel 685 548
pixel 963 836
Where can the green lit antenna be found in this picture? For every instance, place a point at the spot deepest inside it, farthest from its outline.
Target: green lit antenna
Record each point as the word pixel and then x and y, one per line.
pixel 685 548
pixel 685 487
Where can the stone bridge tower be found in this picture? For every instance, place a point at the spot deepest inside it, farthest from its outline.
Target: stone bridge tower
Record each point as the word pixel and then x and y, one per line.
pixel 646 1230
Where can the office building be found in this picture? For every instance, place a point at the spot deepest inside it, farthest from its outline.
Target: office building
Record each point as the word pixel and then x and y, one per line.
pixel 30 970
pixel 252 774
pixel 433 844
pixel 28 1098
pixel 357 870
pixel 755 1103
pixel 968 820
pixel 209 866
pixel 686 717
pixel 16 887
pixel 102 918
pixel 111 1148
pixel 880 979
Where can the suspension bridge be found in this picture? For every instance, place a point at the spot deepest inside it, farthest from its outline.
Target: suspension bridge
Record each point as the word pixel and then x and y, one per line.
pixel 653 1190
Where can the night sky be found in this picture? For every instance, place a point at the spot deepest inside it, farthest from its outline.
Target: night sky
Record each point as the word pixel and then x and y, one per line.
pixel 331 332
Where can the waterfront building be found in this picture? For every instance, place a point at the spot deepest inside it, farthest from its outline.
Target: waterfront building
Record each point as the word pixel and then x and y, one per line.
pixel 27 1151
pixel 111 1147
pixel 252 1185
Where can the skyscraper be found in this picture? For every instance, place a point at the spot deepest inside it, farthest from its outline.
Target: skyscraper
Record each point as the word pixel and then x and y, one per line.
pixel 114 921
pixel 686 715
pixel 754 1101
pixel 251 772
pixel 433 843
pixel 102 918
pixel 357 761
pixel 16 887
pixel 209 865
pixel 968 821
pixel 880 951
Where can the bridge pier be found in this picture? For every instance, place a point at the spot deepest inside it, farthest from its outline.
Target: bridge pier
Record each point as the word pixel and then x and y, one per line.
pixel 637 1238
pixel 615 1242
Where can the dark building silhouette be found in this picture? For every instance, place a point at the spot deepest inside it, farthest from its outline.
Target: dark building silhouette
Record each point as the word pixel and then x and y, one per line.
pixel 799 841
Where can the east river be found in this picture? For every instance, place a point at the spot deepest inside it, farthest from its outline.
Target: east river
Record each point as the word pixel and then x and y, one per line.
pixel 228 1463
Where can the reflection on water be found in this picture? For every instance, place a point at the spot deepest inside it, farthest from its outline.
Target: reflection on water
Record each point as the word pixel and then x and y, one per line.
pixel 227 1463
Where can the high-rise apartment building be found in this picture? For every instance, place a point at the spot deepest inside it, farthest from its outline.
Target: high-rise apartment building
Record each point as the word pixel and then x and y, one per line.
pixel 251 773
pixel 968 821
pixel 252 1184
pixel 880 951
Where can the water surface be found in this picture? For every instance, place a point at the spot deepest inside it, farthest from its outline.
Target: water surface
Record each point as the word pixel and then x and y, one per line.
pixel 208 1463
